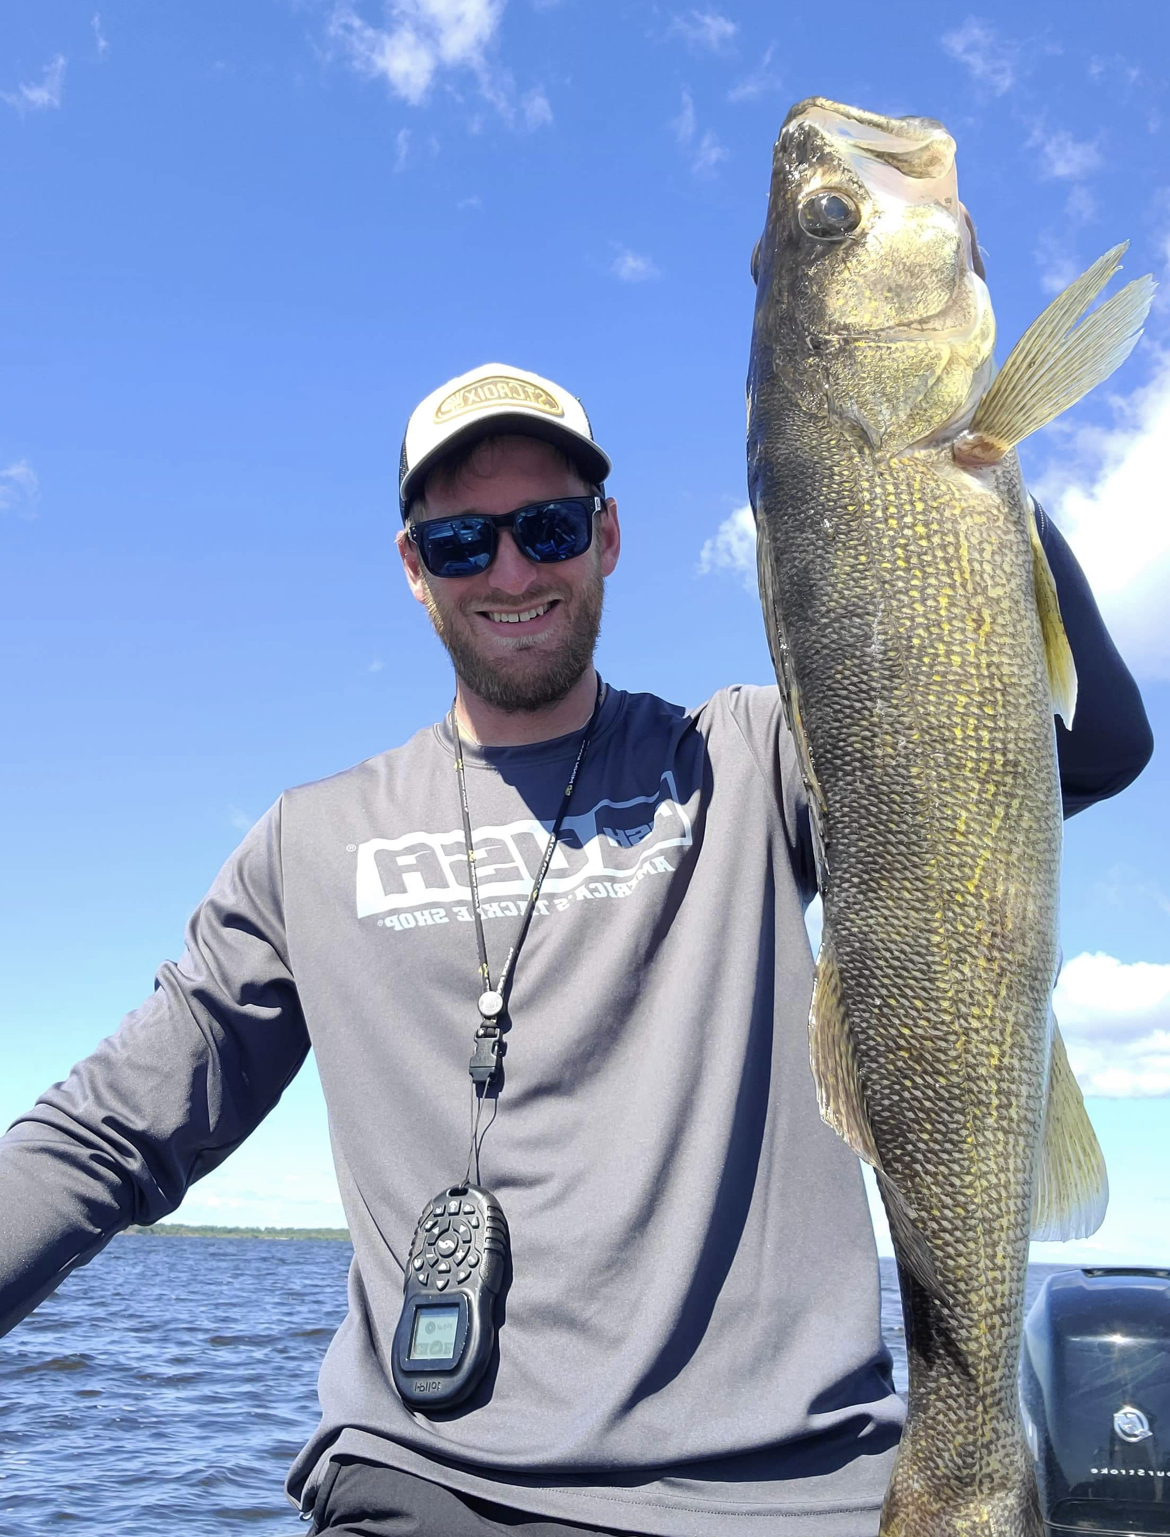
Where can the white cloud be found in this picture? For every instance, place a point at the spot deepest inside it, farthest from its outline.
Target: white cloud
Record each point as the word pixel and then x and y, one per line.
pixel 1081 205
pixel 401 149
pixel 733 548
pixel 708 155
pixel 759 81
pixel 240 820
pixel 707 30
pixel 1115 1019
pixel 34 98
pixel 1062 157
pixel 684 124
pixel 102 43
pixel 538 111
pixel 630 267
pixel 376 666
pixel 1057 267
pixel 422 39
pixel 474 201
pixel 991 59
pixel 705 155
pixel 19 489
pixel 1107 492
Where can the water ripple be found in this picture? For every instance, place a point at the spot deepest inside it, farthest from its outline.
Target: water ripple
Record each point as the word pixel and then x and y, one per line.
pixel 130 1410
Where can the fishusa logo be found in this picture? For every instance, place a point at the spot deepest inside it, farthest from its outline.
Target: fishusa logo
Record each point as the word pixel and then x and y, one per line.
pixel 621 840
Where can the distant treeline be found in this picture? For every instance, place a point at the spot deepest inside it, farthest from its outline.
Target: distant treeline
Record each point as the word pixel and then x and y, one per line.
pixel 184 1230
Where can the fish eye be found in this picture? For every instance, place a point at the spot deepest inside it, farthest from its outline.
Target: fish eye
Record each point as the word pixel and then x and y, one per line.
pixel 756 261
pixel 829 215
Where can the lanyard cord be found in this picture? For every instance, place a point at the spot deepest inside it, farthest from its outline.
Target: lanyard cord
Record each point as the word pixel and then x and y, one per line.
pixel 485 1060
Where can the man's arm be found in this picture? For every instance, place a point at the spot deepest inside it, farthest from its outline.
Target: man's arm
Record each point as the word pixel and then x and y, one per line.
pixel 165 1099
pixel 1110 742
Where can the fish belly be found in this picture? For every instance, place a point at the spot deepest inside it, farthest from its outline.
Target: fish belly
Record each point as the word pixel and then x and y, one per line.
pixel 903 595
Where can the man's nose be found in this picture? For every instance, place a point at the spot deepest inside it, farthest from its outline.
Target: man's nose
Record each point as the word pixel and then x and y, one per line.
pixel 510 571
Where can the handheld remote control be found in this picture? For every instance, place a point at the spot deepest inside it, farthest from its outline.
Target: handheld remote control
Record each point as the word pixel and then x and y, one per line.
pixel 445 1335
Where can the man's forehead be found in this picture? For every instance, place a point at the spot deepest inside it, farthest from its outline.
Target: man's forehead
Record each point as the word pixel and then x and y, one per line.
pixel 514 459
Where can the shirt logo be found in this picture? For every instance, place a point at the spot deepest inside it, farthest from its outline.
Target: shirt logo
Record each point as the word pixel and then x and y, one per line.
pixel 500 390
pixel 621 839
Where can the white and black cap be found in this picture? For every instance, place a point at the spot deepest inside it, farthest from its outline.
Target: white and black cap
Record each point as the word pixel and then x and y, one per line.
pixel 489 400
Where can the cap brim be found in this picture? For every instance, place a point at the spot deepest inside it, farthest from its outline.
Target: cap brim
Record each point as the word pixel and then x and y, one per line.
pixel 594 464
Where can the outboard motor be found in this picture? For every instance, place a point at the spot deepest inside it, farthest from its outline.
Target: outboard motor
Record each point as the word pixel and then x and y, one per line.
pixel 1095 1392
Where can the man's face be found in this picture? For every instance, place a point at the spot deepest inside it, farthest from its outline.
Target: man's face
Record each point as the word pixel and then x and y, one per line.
pixel 531 663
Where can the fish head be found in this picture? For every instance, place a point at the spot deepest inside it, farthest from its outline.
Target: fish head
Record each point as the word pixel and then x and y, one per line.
pixel 871 306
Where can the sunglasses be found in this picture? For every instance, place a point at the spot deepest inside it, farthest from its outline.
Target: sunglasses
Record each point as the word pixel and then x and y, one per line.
pixel 543 531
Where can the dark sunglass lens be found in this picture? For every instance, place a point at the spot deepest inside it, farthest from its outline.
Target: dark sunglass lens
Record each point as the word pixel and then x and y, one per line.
pixel 456 546
pixel 554 531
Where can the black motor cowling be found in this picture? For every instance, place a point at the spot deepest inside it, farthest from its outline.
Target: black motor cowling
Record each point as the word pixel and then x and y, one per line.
pixel 1095 1391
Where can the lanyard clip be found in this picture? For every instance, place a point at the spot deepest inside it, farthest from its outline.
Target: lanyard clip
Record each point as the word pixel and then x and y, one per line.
pixel 485 1059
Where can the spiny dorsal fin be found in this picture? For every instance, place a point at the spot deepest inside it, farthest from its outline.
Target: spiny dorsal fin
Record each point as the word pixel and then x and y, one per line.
pixel 1072 1187
pixel 1056 361
pixel 1058 657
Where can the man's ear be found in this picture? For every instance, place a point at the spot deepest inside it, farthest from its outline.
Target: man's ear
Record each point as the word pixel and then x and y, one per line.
pixel 610 533
pixel 408 552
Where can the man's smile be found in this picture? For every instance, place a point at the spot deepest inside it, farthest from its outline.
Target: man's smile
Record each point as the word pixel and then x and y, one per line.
pixel 529 620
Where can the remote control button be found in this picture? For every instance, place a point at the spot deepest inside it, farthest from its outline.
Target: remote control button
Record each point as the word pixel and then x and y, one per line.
pixel 439 1209
pixel 473 1258
pixel 441 1281
pixel 453 1208
pixel 474 1220
pixel 431 1256
pixel 443 1267
pixel 463 1230
pixel 418 1264
pixel 468 1209
pixel 461 1256
pixel 463 1274
pixel 429 1227
pixel 446 1246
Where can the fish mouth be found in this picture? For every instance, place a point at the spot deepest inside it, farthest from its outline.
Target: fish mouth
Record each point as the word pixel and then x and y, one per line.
pixel 917 147
pixel 904 161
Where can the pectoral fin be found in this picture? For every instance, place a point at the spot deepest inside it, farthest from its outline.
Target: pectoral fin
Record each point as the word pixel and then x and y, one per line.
pixel 1062 672
pixel 1072 1188
pixel 1056 361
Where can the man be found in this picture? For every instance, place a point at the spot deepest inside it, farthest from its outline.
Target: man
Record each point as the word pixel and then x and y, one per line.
pixel 688 1338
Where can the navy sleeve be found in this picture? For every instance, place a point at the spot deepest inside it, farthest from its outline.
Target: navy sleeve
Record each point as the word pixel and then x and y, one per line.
pixel 1110 741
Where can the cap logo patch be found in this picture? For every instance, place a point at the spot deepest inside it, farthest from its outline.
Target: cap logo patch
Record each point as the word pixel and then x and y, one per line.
pixel 497 391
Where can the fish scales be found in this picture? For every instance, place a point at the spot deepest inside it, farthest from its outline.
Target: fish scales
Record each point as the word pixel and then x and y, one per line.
pixel 939 900
pixel 903 598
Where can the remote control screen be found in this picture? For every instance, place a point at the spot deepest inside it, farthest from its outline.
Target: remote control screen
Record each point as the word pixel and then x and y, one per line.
pixel 434 1332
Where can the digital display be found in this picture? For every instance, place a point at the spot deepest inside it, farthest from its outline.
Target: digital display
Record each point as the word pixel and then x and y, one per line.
pixel 434 1333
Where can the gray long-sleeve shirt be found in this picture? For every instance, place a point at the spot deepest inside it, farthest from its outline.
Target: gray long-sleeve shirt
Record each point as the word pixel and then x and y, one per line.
pixel 691 1333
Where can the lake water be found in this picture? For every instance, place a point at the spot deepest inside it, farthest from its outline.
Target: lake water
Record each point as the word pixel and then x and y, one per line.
pixel 164 1390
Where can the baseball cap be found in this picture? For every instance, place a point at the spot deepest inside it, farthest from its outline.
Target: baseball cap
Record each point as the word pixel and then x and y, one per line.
pixel 495 398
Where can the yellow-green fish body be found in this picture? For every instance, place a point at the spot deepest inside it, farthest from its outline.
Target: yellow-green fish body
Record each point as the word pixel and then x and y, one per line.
pixel 917 643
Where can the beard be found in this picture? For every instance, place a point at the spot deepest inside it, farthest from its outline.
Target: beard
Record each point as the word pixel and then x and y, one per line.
pixel 534 675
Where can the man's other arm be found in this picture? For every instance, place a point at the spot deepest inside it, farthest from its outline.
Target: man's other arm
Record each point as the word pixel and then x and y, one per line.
pixel 164 1100
pixel 1110 742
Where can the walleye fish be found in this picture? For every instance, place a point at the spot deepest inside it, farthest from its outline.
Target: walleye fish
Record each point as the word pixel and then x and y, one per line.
pixel 917 641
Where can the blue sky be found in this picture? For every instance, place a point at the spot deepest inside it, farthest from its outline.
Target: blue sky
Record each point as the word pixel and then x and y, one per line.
pixel 242 241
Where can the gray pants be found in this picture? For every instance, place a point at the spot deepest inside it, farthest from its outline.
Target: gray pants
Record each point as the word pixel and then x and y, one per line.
pixel 365 1500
